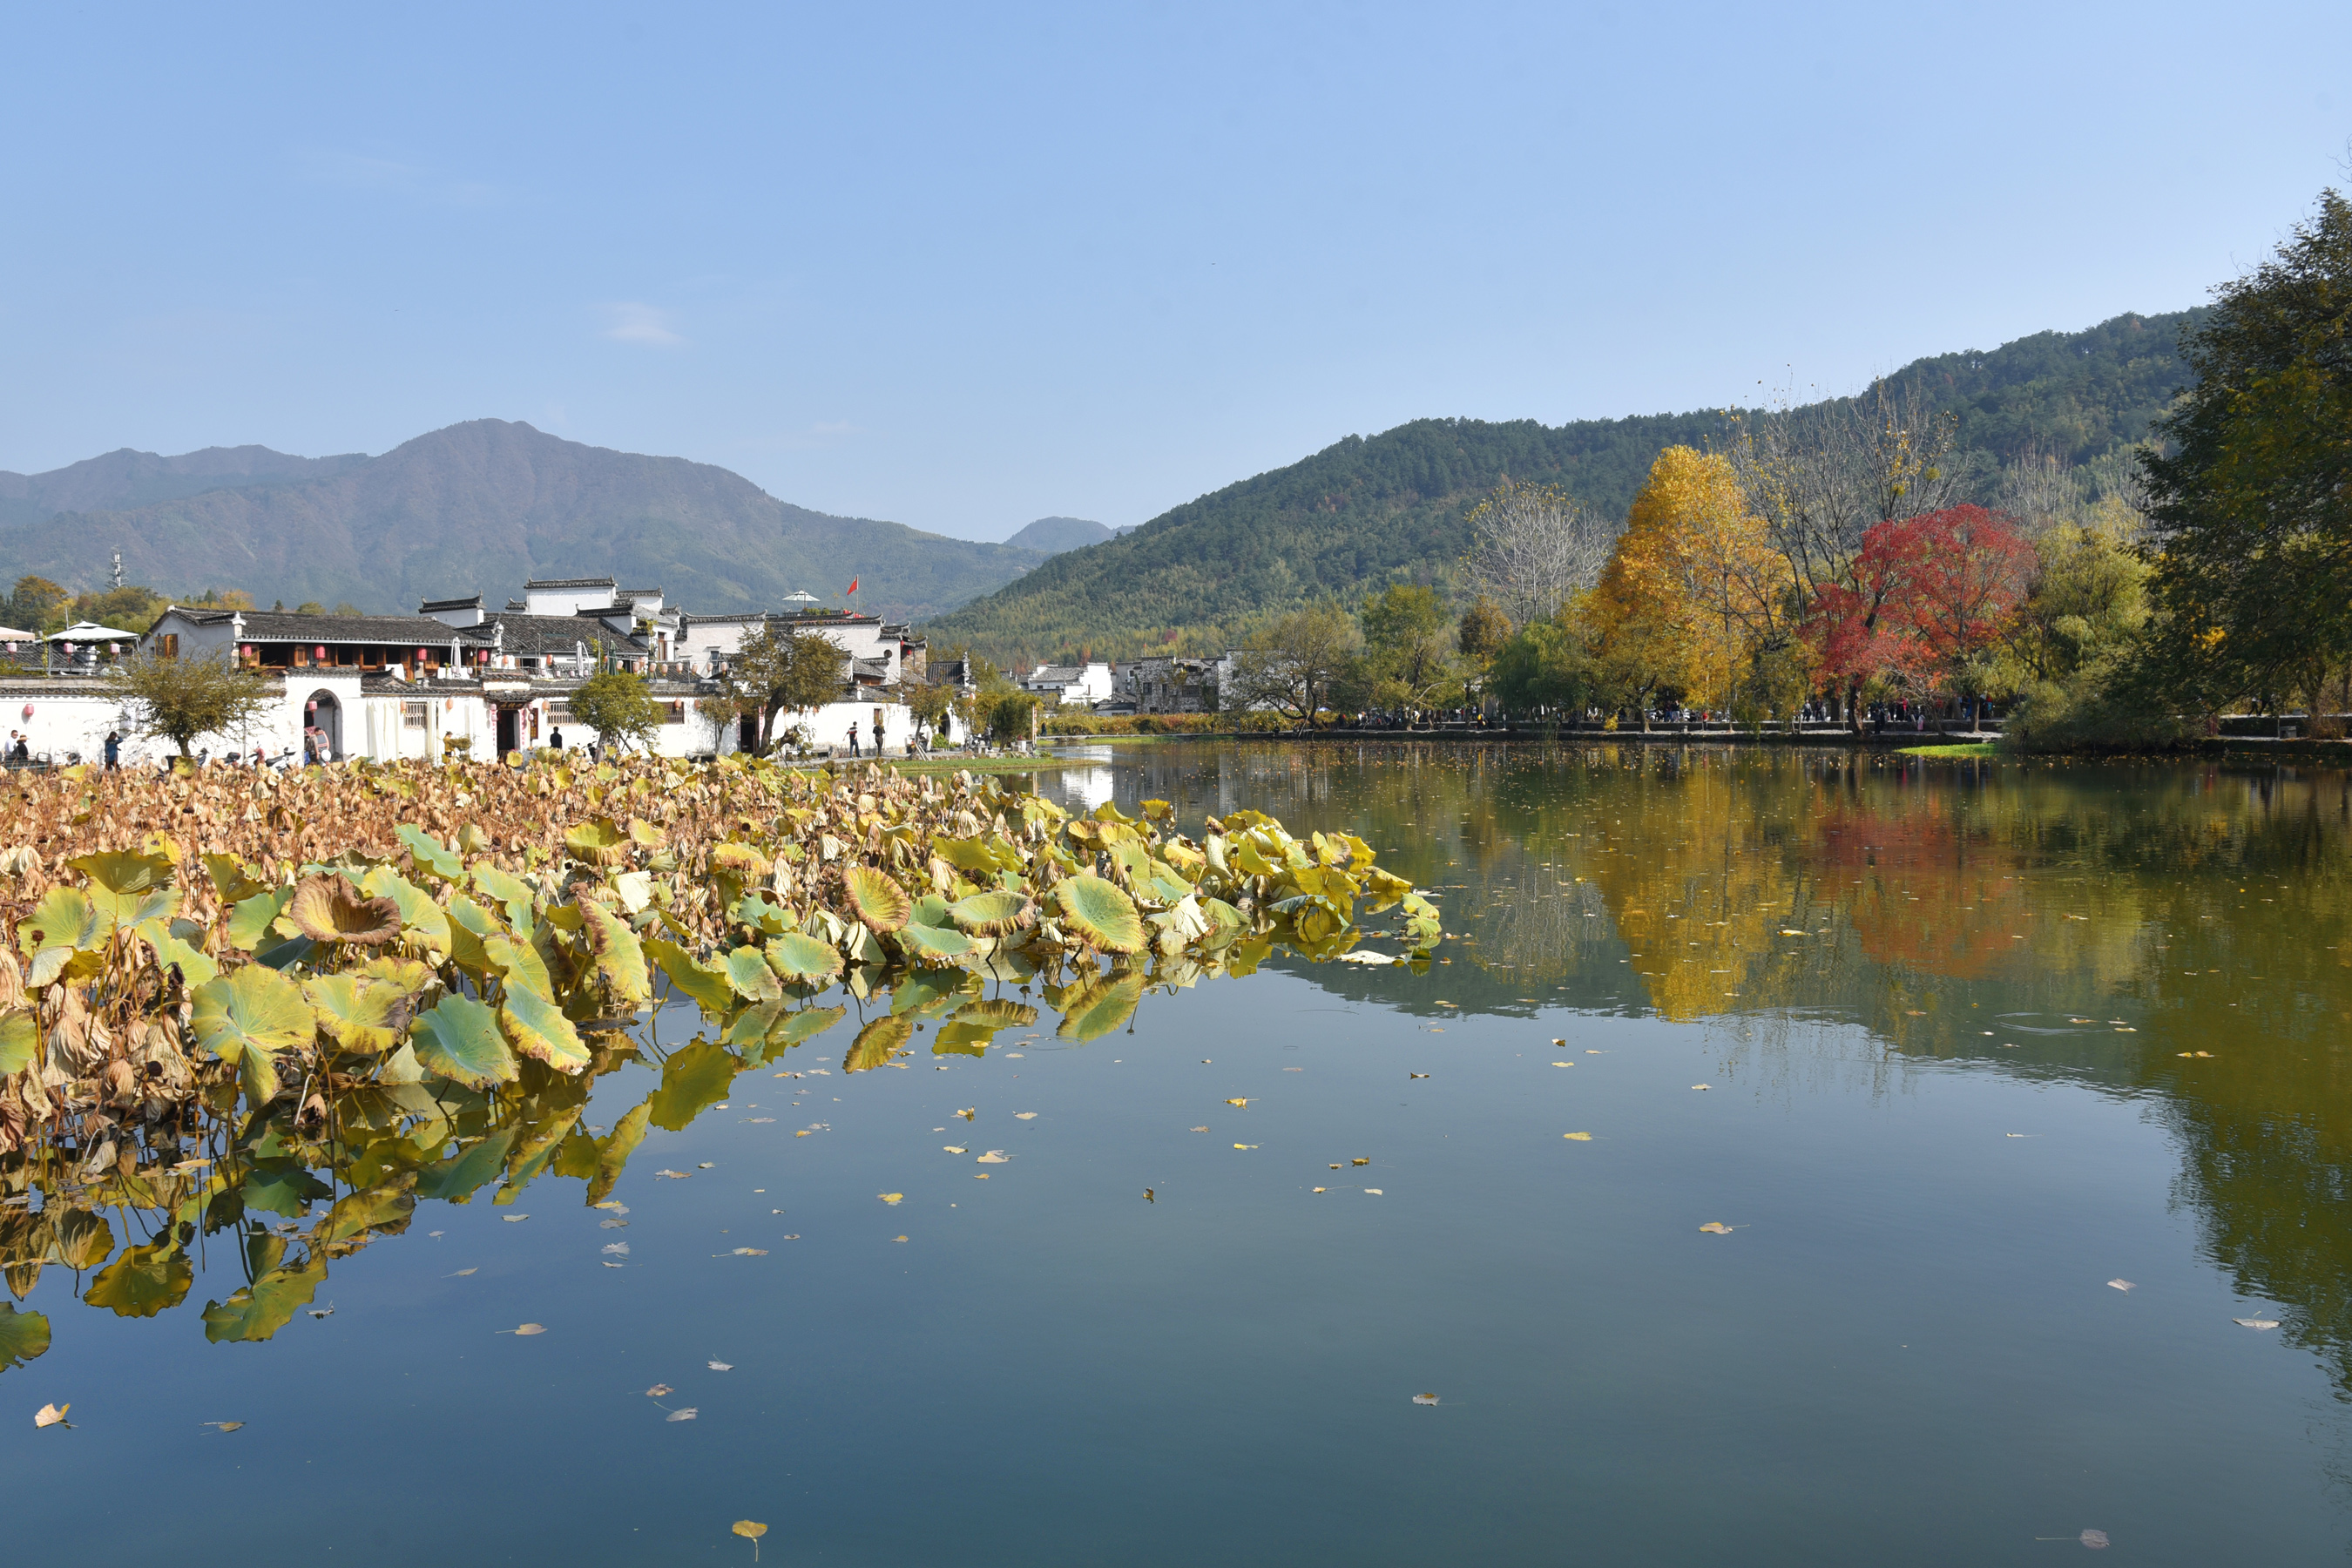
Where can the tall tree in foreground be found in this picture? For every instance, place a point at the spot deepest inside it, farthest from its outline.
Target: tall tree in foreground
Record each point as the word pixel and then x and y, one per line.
pixel 2252 508
pixel 779 670
pixel 183 698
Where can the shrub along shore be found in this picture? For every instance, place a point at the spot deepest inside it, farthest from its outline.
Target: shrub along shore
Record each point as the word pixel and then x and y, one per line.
pixel 228 993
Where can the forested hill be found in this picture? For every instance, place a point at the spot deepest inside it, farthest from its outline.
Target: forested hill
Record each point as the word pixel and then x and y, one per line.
pixel 1368 511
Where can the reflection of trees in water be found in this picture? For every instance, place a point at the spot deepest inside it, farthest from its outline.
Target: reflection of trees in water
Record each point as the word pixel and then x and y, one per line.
pixel 2210 905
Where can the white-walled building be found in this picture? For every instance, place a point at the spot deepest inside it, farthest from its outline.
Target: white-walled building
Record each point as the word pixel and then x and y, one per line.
pixel 1071 685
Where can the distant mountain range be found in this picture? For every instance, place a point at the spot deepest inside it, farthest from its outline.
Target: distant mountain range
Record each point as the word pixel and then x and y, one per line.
pixel 482 506
pixel 1368 510
pixel 1056 534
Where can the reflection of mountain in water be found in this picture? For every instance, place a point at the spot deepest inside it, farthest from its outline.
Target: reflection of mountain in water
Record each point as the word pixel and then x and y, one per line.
pixel 2100 924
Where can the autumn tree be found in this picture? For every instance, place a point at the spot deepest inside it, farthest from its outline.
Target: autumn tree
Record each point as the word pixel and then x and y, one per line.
pixel 778 669
pixel 181 700
pixel 1409 659
pixel 1695 602
pixel 620 707
pixel 37 604
pixel 1932 597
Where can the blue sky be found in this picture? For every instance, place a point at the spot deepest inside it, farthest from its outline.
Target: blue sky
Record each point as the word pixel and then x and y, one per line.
pixel 962 267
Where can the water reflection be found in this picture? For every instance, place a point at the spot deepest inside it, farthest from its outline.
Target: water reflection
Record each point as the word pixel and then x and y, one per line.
pixel 2180 934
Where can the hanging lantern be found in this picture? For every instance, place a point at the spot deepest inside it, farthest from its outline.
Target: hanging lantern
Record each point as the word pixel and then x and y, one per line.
pixel 420 656
pixel 68 647
pixel 319 653
pixel 28 709
pixel 246 650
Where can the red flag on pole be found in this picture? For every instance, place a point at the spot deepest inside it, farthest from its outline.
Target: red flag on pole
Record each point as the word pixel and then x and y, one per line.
pixel 853 584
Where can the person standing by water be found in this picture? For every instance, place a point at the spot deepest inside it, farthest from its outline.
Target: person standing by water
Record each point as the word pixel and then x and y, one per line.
pixel 114 750
pixel 853 739
pixel 877 737
pixel 555 739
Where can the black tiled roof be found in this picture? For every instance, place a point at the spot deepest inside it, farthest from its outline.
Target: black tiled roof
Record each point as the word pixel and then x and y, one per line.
pixel 429 606
pixel 571 583
pixel 544 635
pixel 286 626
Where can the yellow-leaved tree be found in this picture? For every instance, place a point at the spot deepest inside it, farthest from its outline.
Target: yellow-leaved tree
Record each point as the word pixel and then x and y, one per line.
pixel 1694 603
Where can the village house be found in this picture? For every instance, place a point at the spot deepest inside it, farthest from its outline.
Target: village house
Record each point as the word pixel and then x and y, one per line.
pixel 1070 685
pixel 1174 685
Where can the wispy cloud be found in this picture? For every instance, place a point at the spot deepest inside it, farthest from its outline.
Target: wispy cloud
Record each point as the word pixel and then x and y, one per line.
pixel 629 322
pixel 392 176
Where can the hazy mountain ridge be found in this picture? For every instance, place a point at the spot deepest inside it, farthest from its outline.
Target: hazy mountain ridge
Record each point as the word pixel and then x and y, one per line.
pixel 1367 510
pixel 125 479
pixel 486 504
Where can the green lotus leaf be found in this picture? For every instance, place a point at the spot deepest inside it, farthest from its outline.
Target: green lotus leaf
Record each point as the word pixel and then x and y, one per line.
pixel 327 908
pixel 233 879
pixel 511 890
pixel 620 957
pixel 518 963
pixel 131 909
pixel 267 1305
pixel 249 921
pixel 599 842
pixel 80 1239
pixel 542 1032
pixel 874 898
pixel 805 1025
pixel 750 1027
pixel 256 1011
pixel 706 984
pixel 470 925
pixel 927 993
pixel 282 1186
pixel 20 1040
pixel 694 1077
pixel 476 1165
pixel 748 972
pixel 1225 921
pixel 932 944
pixel 930 910
pixel 963 1040
pixel 124 873
pixel 997 1014
pixel 424 921
pixel 965 854
pixel 1091 1010
pixel 612 1153
pixel 64 918
pixel 360 1014
pixel 431 855
pixel 195 964
pixel 459 1038
pixel 1097 910
pixel 143 1281
pixel 877 1043
pixel 996 914
pixel 23 1336
pixel 799 957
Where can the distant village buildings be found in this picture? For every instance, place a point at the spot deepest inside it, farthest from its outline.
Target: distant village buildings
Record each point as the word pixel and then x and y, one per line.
pixel 460 678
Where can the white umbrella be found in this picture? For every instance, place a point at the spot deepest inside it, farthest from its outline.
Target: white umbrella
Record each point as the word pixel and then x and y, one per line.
pixel 90 631
pixel 801 599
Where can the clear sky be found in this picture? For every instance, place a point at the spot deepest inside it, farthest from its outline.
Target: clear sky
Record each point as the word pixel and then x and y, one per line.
pixel 963 266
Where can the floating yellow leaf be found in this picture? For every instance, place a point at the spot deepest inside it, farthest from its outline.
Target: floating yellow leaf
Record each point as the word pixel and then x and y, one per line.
pixel 1237 1103
pixel 1578 1137
pixel 1716 1227
pixel 52 1415
pixel 225 1426
pixel 890 1197
pixel 1424 1399
pixel 751 1529
pixel 526 1330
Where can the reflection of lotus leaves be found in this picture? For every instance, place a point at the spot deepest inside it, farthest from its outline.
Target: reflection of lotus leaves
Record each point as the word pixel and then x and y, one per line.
pixel 881 902
pixel 1094 1009
pixel 143 1281
pixel 694 1075
pixel 80 1239
pixel 23 1336
pixel 265 1306
pixel 1100 912
pixel 998 1013
pixel 877 1043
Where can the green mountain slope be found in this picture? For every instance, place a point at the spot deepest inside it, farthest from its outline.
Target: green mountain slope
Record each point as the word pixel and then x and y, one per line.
pixel 124 478
pixel 1366 510
pixel 488 504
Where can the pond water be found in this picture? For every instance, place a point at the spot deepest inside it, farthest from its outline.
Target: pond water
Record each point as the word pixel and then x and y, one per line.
pixel 1952 1051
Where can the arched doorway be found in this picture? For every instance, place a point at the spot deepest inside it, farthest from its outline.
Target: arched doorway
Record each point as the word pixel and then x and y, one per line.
pixel 324 714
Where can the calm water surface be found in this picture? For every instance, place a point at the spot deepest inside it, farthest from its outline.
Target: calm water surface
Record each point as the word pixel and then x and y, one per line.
pixel 1948 1046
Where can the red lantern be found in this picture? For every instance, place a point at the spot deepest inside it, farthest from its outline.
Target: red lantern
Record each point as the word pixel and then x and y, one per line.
pixel 420 656
pixel 28 709
pixel 319 653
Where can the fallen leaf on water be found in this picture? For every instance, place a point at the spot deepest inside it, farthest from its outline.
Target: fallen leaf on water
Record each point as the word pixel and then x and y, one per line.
pixel 1376 1191
pixel 720 1365
pixel 1148 1196
pixel 1786 931
pixel 890 1197
pixel 326 1311
pixel 608 1263
pixel 1359 1162
pixel 2097 1540
pixel 706 1164
pixel 1701 1086
pixel 955 1148
pixel 687 1413
pixel 52 1415
pixel 1560 1042
pixel 673 1175
pixel 2255 1322
pixel 611 1224
pixel 758 1120
pixel 1716 1227
pixel 436 1233
pixel 750 1252
pixel 514 1218
pixel 969 1113
pixel 1579 1137
pixel 980 1176
pixel 461 1273
pixel 1563 1064
pixel 1322 1189
pixel 2119 1284
pixel 1200 1130
pixel 753 1528
pixel 526 1330
pixel 1412 1075
pixel 616 1249
pixel 225 1426
pixel 993 1157
pixel 1025 1116
pixel 801 1133
pixel 1424 1399
pixel 897 1238
pixel 1237 1103
pixel 659 1390
pixel 1244 1145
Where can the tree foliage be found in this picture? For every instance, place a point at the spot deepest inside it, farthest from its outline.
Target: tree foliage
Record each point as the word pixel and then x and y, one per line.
pixel 1933 597
pixel 1409 661
pixel 778 669
pixel 181 700
pixel 2252 506
pixel 620 707
pixel 1295 663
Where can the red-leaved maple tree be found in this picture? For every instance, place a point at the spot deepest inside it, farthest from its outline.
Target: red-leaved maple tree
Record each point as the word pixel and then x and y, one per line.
pixel 1927 593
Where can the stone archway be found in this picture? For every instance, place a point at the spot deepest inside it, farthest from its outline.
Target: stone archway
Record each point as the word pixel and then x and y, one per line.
pixel 324 713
